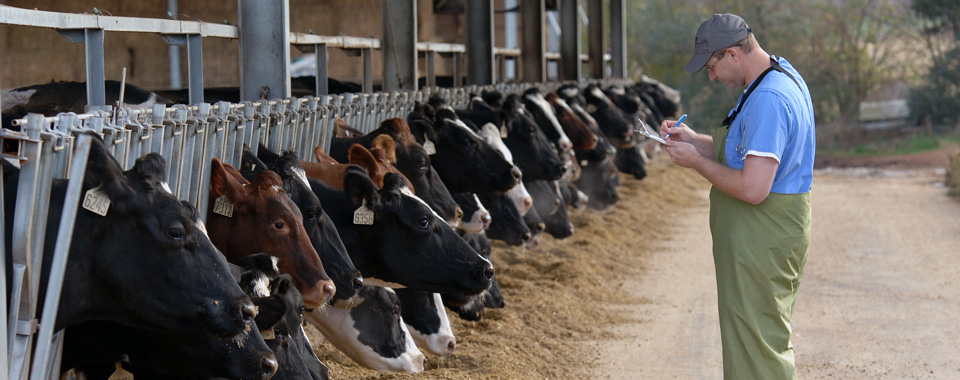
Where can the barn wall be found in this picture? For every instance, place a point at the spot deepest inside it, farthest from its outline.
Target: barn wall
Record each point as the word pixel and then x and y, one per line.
pixel 35 55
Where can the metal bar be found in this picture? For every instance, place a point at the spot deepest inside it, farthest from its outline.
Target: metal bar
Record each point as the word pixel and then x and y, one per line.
pixel 320 54
pixel 618 37
pixel 59 260
pixel 25 226
pixel 195 67
pixel 534 44
pixel 457 70
pixel 595 30
pixel 399 45
pixel 93 48
pixel 176 76
pixel 212 148
pixel 431 69
pixel 264 49
pixel 571 68
pixel 4 351
pixel 367 56
pixel 57 20
pixel 480 44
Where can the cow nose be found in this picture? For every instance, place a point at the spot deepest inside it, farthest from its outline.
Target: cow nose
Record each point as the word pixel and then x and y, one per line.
pixel 517 174
pixel 488 272
pixel 357 283
pixel 526 237
pixel 268 366
pixel 539 227
pixel 248 312
pixel 327 291
pixel 486 219
pixel 459 213
pixel 451 345
pixel 527 203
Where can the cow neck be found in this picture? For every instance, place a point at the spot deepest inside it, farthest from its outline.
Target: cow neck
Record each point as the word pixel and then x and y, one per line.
pixel 774 65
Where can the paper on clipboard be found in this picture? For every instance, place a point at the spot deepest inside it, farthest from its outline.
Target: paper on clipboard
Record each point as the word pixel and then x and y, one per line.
pixel 646 132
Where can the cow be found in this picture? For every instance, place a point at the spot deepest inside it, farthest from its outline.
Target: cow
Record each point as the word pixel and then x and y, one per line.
pixel 600 181
pixel 536 225
pixel 476 217
pixel 369 329
pixel 508 225
pixel 618 127
pixel 176 281
pixel 61 97
pixel 579 133
pixel 427 321
pixel 550 205
pixel 518 194
pixel 573 196
pixel 464 161
pixel 280 318
pixel 317 224
pixel 413 161
pixel 471 308
pixel 251 217
pixel 395 238
pixel 546 118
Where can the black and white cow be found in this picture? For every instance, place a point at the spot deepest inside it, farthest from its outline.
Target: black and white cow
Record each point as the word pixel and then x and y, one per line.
pixel 369 329
pixel 394 237
pixel 472 308
pixel 427 321
pixel 549 203
pixel 508 225
pixel 52 98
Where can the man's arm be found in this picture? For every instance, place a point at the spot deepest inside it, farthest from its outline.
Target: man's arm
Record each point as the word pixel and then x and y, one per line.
pixel 751 185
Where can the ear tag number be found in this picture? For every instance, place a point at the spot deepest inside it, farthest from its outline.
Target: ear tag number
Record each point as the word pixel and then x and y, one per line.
pixel 97 201
pixel 503 131
pixel 363 215
pixel 428 146
pixel 120 373
pixel 268 334
pixel 223 206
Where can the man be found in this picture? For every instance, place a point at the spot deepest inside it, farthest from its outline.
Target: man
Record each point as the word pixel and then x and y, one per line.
pixel 760 163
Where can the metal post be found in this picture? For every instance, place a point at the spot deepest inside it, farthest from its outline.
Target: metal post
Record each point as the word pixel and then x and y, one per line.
pixel 320 54
pixel 93 51
pixel 176 77
pixel 264 49
pixel 367 55
pixel 595 28
pixel 59 262
pixel 457 71
pixel 532 55
pixel 431 68
pixel 571 66
pixel 510 31
pixel 618 37
pixel 480 44
pixel 195 67
pixel 399 44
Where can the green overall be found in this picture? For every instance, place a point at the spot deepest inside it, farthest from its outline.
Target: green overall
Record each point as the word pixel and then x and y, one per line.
pixel 759 252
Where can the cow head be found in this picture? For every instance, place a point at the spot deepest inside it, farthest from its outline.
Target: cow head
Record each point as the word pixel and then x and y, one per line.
pixel 580 134
pixel 546 118
pixel 427 321
pixel 370 330
pixel 476 217
pixel 507 225
pixel 464 161
pixel 258 216
pixel 317 224
pixel 531 149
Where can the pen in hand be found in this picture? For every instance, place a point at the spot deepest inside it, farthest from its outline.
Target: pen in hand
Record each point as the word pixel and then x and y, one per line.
pixel 684 116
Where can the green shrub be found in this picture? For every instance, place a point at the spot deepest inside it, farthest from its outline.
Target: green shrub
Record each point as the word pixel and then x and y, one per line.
pixel 953 175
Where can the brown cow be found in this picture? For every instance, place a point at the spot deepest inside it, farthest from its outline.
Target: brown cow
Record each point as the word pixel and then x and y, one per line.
pixel 244 218
pixel 578 131
pixel 374 161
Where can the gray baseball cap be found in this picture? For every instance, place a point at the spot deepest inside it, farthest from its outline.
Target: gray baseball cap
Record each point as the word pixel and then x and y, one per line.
pixel 718 32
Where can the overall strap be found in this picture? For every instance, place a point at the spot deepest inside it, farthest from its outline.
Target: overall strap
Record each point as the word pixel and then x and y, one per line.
pixel 774 65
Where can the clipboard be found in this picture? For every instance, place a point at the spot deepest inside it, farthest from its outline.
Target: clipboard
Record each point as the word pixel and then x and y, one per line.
pixel 647 133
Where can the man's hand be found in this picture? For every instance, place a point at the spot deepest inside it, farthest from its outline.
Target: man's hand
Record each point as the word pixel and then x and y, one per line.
pixel 677 132
pixel 681 153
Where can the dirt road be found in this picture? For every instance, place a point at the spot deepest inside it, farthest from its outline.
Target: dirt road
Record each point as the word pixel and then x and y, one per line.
pixel 879 299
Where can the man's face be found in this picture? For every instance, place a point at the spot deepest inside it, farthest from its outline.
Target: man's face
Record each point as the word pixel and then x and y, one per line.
pixel 722 67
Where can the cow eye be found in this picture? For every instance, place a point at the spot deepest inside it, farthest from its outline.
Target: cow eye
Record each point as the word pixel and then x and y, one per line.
pixel 424 223
pixel 395 310
pixel 279 332
pixel 278 225
pixel 311 215
pixel 176 233
pixel 423 165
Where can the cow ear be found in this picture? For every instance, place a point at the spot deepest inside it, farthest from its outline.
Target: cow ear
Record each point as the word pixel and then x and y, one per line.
pixel 268 180
pixel 358 155
pixel 271 310
pixel 393 182
pixel 104 171
pixel 358 187
pixel 267 156
pixel 224 182
pixel 250 163
pixel 387 145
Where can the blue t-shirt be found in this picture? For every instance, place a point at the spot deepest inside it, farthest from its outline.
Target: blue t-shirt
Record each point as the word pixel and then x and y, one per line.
pixel 777 122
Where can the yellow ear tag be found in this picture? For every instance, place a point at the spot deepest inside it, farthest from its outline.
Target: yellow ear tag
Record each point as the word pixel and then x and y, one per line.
pixel 97 201
pixel 120 374
pixel 223 206
pixel 268 334
pixel 503 131
pixel 363 215
pixel 428 145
